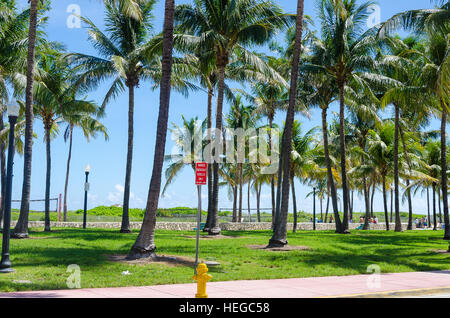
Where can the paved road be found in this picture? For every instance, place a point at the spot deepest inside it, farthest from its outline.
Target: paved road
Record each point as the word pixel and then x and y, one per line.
pixel 415 284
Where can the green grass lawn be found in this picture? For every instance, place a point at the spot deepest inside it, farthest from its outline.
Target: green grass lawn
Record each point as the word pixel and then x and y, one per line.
pixel 43 259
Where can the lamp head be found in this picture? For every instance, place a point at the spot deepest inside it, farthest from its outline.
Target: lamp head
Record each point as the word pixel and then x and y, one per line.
pixel 87 169
pixel 13 108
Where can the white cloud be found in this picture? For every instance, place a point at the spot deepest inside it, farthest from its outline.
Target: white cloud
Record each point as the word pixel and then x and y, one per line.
pixel 116 197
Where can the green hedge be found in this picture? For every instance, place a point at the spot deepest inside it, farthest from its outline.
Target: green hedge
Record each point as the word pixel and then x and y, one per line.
pixel 139 213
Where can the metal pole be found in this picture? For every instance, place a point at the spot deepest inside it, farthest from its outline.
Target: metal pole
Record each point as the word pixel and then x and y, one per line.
pixel 85 200
pixel 59 208
pixel 199 215
pixel 314 209
pixel 5 265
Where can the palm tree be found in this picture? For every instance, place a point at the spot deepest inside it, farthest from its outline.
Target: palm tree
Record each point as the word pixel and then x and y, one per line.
pixel 90 127
pixel 325 92
pixel 432 24
pixel 21 228
pixel 279 237
pixel 127 56
pixel 145 242
pixel 349 60
pixel 186 138
pixel 240 117
pixel 55 99
pixel 221 27
pixel 381 151
pixel 303 162
pixel 13 35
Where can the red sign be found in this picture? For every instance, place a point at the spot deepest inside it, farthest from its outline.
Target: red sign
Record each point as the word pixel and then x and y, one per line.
pixel 201 172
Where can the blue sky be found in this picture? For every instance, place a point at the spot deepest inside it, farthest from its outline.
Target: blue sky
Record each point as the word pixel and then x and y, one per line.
pixel 107 159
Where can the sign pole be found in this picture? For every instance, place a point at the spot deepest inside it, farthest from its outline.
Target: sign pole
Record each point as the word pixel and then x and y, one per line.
pixel 199 215
pixel 200 179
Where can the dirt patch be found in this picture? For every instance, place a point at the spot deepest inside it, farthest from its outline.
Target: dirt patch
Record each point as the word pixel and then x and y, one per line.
pixel 286 248
pixel 169 260
pixel 442 251
pixel 210 237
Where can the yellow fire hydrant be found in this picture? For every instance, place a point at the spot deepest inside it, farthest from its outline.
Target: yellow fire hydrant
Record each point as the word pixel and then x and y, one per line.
pixel 201 279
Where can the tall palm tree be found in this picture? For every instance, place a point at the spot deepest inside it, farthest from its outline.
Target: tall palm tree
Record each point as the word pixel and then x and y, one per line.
pixel 21 228
pixel 349 61
pixel 325 92
pixel 13 35
pixel 279 237
pixel 90 127
pixel 381 151
pixel 145 242
pixel 434 25
pixel 55 99
pixel 221 26
pixel 241 117
pixel 128 56
pixel 303 162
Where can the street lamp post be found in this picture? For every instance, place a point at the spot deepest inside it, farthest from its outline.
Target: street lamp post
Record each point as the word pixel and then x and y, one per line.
pixel 86 189
pixel 5 264
pixel 314 208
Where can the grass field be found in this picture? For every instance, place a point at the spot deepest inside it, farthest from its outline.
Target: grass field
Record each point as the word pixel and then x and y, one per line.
pixel 41 261
pixel 97 216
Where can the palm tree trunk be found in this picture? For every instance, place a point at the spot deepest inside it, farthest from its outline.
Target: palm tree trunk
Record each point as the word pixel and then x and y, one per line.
pixel 222 62
pixel 258 202
pixel 125 227
pixel 337 218
pixel 279 237
pixel 21 228
pixel 408 192
pixel 2 170
pixel 321 212
pixel 210 181
pixel 439 204
pixel 343 155
pixel 371 200
pixel 240 192
pixel 272 179
pixel 326 210
pixel 145 242
pixel 294 204
pixel 248 201
pixel 351 204
pixel 235 194
pixel 66 183
pixel 392 203
pixel 428 207
pixel 366 190
pixel 444 171
pixel 398 223
pixel 434 207
pixel 47 178
pixel 385 202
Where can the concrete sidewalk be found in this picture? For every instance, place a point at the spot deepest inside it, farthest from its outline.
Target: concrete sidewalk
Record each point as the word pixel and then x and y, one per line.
pixel 385 285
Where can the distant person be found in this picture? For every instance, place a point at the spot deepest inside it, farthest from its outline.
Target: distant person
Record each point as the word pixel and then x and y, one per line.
pixel 331 219
pixel 375 220
pixel 416 221
pixel 361 219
